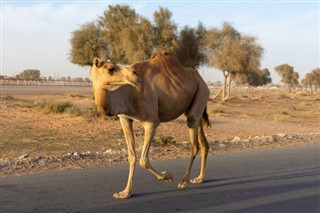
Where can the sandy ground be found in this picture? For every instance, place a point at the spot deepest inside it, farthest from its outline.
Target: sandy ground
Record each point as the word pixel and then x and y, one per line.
pixel 34 141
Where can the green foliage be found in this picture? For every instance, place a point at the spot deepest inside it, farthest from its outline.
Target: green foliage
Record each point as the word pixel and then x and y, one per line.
pixel 87 43
pixel 29 74
pixel 61 107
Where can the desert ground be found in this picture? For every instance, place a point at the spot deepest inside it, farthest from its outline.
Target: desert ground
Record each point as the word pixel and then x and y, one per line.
pixel 48 129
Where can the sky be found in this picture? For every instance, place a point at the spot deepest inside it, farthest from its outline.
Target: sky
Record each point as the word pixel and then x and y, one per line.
pixel 36 34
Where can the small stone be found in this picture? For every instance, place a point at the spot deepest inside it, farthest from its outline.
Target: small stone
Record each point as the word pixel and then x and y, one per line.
pixel 23 157
pixel 222 145
pixel 282 135
pixel 156 151
pixel 236 139
pixel 109 151
pixel 270 139
pixel 77 154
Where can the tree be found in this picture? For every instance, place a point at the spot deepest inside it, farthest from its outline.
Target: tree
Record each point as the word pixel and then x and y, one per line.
pixel 266 76
pixel 255 78
pixel 288 76
pixel 191 48
pixel 79 79
pixel 241 78
pixel 308 81
pixel 87 43
pixel 259 77
pixel 29 74
pixel 316 81
pixel 165 31
pixel 232 53
pixel 129 36
pixel 312 79
pixel 139 41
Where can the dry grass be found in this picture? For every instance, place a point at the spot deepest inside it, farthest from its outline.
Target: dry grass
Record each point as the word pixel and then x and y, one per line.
pixel 26 128
pixel 275 106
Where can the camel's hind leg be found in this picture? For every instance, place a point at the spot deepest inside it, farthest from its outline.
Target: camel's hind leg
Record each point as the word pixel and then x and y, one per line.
pixel 194 117
pixel 193 132
pixel 204 154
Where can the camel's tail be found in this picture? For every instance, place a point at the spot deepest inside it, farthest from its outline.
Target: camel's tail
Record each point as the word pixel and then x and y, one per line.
pixel 205 118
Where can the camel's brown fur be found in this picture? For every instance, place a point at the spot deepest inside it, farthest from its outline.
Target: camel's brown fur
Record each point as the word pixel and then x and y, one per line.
pixel 151 92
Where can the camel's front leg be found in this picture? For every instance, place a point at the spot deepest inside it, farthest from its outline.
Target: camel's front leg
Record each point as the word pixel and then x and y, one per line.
pixel 128 133
pixel 149 132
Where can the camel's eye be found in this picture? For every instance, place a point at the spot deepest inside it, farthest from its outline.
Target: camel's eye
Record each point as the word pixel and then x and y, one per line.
pixel 111 70
pixel 110 67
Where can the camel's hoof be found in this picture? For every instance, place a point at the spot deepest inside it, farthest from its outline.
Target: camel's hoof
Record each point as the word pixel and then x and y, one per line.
pixel 121 195
pixel 197 180
pixel 167 176
pixel 183 184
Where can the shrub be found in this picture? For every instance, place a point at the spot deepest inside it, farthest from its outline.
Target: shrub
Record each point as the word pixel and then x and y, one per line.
pixel 217 109
pixel 163 140
pixel 91 112
pixel 61 107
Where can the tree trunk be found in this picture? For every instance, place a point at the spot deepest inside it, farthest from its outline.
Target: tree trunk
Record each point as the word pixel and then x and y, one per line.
pixel 229 87
pixel 224 85
pixel 214 96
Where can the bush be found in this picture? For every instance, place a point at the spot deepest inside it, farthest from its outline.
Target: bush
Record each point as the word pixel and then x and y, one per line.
pixel 163 140
pixel 91 112
pixel 61 107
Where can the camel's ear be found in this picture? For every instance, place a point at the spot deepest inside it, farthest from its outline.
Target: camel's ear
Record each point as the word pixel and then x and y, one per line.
pixel 96 62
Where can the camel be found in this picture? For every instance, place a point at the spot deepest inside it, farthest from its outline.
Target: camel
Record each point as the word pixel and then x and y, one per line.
pixel 151 92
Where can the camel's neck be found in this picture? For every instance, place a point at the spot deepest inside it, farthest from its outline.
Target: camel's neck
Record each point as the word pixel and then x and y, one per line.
pixel 121 101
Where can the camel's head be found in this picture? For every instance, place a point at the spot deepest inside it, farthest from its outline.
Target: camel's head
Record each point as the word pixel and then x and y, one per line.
pixel 108 76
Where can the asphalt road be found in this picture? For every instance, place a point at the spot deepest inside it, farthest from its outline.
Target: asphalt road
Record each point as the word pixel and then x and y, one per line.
pixel 279 180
